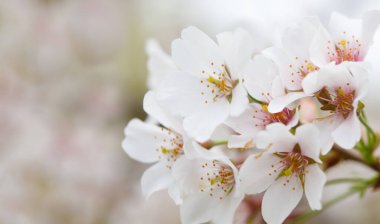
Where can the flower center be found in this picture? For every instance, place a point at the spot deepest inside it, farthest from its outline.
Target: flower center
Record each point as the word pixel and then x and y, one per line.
pixel 347 49
pixel 170 148
pixel 291 163
pixel 264 117
pixel 338 101
pixel 219 83
pixel 300 70
pixel 218 179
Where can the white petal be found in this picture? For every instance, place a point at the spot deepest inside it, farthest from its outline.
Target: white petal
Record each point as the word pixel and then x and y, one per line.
pixel 201 124
pixel 155 178
pixel 361 76
pixel 279 103
pixel 189 147
pixel 185 59
pixel 348 133
pixel 140 143
pixel 258 77
pixel 199 208
pixel 370 23
pixel 318 49
pixel 159 63
pixel 186 173
pixel 227 209
pixel 221 133
pixel 202 45
pixel 237 48
pixel 263 140
pixel 342 27
pixel 297 39
pixel 256 174
pixel 279 200
pixel 278 88
pixel 277 138
pixel 294 121
pixel 309 83
pixel 239 100
pixel 152 107
pixel 175 193
pixel 326 127
pixel 289 74
pixel 244 123
pixel 195 51
pixel 240 141
pixel 315 180
pixel 331 76
pixel 180 93
pixel 308 139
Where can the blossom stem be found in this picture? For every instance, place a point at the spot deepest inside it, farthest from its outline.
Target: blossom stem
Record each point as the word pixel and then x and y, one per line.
pixel 367 147
pixel 345 154
pixel 221 142
pixel 344 180
pixel 210 144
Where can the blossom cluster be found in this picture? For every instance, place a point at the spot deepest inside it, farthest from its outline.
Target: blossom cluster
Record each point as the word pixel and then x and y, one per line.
pixel 226 121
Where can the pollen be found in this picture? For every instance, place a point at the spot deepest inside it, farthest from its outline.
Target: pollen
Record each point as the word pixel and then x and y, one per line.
pixel 218 82
pixel 338 101
pixel 346 49
pixel 292 164
pixel 170 148
pixel 263 117
pixel 220 179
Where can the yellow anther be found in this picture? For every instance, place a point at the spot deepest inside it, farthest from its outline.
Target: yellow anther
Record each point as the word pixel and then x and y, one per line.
pixel 264 107
pixel 340 92
pixel 288 171
pixel 342 42
pixel 310 67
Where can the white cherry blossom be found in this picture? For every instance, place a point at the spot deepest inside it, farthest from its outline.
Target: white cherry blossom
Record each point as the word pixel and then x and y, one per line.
pixel 293 61
pixel 149 143
pixel 287 168
pixel 262 82
pixel 208 87
pixel 339 89
pixel 159 63
pixel 345 39
pixel 209 188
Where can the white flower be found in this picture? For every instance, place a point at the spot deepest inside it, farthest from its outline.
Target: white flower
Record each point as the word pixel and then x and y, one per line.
pixel 293 61
pixel 208 185
pixel 287 168
pixel 208 87
pixel 159 63
pixel 338 88
pixel 262 81
pixel 149 143
pixel 346 39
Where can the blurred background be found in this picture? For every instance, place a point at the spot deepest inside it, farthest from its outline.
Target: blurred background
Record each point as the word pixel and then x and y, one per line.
pixel 73 73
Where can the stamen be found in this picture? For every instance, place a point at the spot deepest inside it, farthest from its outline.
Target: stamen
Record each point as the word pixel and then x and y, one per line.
pixel 338 101
pixel 345 50
pixel 219 82
pixel 264 117
pixel 170 148
pixel 219 179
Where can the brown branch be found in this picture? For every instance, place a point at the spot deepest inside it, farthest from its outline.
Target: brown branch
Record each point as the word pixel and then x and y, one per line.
pixel 347 155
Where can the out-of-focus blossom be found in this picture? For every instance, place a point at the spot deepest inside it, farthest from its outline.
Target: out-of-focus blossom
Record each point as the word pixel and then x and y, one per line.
pixel 346 39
